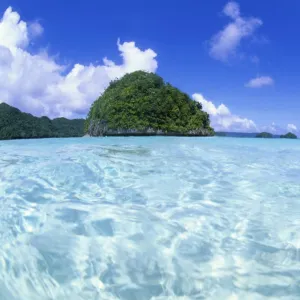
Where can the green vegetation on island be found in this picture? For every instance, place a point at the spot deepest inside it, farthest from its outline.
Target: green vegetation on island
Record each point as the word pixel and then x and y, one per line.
pixel 141 103
pixel 289 135
pixel 265 135
pixel 15 124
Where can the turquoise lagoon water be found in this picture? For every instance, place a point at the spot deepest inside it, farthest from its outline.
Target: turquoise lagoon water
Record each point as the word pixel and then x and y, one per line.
pixel 149 218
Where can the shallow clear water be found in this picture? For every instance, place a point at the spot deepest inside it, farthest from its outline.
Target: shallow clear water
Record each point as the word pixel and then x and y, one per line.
pixel 149 218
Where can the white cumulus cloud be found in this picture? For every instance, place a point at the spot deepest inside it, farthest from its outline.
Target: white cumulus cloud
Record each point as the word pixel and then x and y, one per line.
pixel 273 128
pixel 37 83
pixel 225 43
pixel 259 82
pixel 35 29
pixel 13 31
pixel 292 128
pixel 278 129
pixel 222 119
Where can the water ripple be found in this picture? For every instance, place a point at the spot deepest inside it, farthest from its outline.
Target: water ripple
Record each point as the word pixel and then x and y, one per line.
pixel 149 218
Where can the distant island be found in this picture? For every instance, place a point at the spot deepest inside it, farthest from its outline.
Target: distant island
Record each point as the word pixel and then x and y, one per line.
pixel 15 124
pixel 220 133
pixel 265 135
pixel 289 135
pixel 142 104
pixel 254 135
pixel 236 134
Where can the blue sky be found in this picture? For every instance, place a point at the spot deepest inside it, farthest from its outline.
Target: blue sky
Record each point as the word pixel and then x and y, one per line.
pixel 240 59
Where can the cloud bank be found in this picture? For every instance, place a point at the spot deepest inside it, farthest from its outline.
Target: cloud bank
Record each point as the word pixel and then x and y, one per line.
pixel 225 43
pixel 292 128
pixel 38 84
pixel 222 119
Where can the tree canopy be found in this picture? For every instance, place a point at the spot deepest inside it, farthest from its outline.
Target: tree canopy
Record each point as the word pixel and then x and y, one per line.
pixel 15 124
pixel 265 135
pixel 142 100
pixel 289 135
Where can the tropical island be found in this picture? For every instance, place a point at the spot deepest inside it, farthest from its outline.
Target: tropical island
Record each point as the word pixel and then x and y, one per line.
pixel 265 135
pixel 289 135
pixel 15 124
pixel 142 104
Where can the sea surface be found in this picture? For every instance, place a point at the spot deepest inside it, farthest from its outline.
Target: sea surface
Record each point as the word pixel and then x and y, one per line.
pixel 149 218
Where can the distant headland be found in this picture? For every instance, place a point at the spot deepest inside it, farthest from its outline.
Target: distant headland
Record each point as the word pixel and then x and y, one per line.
pixel 15 124
pixel 267 135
